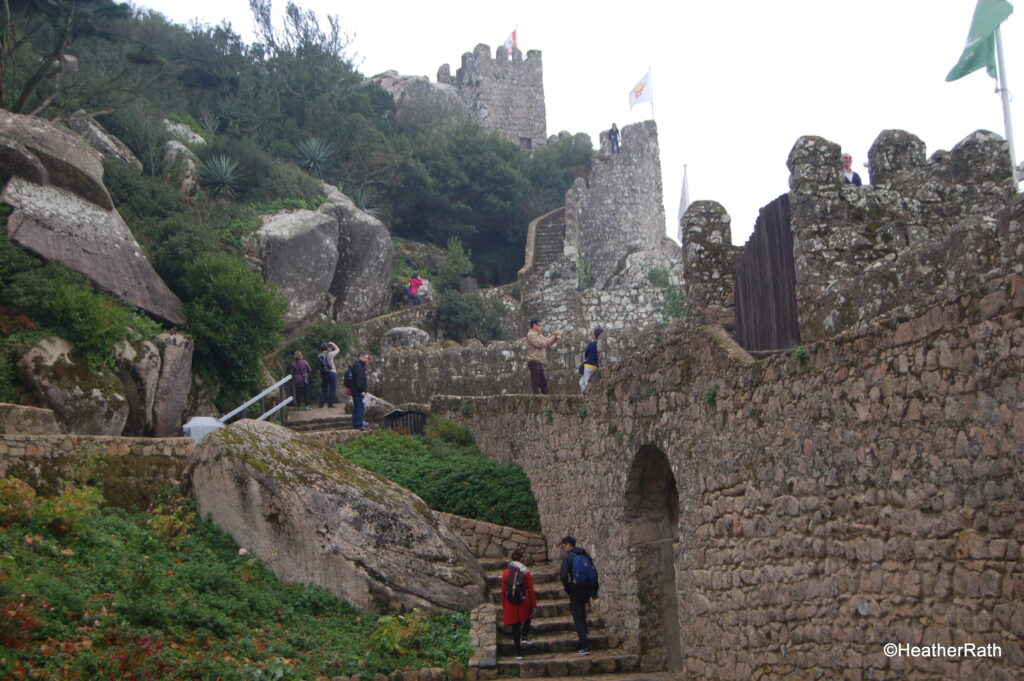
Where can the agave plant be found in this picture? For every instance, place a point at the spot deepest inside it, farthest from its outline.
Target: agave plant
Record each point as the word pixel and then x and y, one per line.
pixel 315 156
pixel 220 176
pixel 361 200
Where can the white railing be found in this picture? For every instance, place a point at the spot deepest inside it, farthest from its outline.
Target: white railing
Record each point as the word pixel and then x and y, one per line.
pixel 259 398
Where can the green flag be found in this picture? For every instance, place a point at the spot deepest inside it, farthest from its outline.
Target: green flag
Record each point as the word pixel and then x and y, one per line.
pixel 980 50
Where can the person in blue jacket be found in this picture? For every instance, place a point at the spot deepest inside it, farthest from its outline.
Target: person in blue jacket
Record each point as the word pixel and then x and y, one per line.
pixel 590 360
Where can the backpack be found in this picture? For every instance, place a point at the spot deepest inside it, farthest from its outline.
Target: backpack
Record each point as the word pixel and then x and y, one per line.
pixel 348 380
pixel 583 572
pixel 323 363
pixel 515 586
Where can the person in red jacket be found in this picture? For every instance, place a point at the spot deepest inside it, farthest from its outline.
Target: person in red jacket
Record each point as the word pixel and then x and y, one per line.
pixel 518 599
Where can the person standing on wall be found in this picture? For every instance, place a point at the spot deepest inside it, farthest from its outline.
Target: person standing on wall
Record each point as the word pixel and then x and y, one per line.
pixel 537 346
pixel 613 138
pixel 359 390
pixel 590 360
pixel 579 579
pixel 300 371
pixel 328 374
pixel 849 174
pixel 518 599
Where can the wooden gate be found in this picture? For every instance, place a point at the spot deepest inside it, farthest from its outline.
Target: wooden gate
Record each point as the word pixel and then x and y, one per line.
pixel 766 316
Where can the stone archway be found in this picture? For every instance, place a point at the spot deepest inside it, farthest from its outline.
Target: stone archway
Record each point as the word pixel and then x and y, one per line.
pixel 652 522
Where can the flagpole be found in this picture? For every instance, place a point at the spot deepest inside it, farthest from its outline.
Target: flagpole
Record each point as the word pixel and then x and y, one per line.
pixel 1004 95
pixel 651 85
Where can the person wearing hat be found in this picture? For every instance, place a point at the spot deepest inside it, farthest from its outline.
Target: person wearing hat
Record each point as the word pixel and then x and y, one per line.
pixel 579 579
pixel 537 345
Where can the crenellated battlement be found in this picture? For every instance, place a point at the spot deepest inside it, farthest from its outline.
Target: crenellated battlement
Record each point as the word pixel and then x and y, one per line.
pixel 505 93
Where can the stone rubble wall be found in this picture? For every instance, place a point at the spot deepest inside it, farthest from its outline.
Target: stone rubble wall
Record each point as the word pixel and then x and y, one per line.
pixel 129 470
pixel 403 375
pixel 505 95
pixel 487 540
pixel 19 419
pixel 868 491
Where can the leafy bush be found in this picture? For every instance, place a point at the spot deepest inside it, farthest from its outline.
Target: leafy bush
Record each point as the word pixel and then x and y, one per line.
pixel 102 594
pixel 235 320
pixel 658 276
pixel 448 431
pixel 456 263
pixel 450 477
pixel 470 315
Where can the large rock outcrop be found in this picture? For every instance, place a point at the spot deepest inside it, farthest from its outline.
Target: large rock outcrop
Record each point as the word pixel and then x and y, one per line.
pixel 63 213
pixel 317 518
pixel 298 252
pixel 157 377
pixel 101 140
pixel 84 400
pixel 366 257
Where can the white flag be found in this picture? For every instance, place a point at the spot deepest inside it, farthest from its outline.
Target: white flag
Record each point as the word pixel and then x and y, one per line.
pixel 684 203
pixel 510 42
pixel 641 92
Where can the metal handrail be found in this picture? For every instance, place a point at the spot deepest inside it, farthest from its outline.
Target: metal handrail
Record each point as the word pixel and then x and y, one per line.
pixel 273 410
pixel 230 415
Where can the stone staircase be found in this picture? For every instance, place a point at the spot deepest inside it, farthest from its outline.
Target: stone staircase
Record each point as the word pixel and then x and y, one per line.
pixel 552 652
pixel 549 240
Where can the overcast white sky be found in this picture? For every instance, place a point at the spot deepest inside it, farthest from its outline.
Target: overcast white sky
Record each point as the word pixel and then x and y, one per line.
pixel 735 82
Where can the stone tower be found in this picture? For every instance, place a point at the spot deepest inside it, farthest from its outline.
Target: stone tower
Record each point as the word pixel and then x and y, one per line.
pixel 504 95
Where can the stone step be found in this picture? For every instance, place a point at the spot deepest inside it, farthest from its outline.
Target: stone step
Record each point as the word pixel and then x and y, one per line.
pixel 552 608
pixel 539 579
pixel 561 642
pixel 326 424
pixel 539 626
pixel 548 591
pixel 569 664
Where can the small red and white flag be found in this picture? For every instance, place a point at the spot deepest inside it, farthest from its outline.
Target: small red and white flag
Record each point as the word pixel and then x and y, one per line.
pixel 510 42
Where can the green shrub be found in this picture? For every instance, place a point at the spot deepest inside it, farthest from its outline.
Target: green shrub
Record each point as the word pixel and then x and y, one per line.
pixel 235 320
pixel 457 263
pixel 450 477
pixel 447 430
pixel 658 276
pixel 470 315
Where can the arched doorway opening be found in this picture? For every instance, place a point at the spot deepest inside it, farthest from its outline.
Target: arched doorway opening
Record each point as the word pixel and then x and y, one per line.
pixel 652 519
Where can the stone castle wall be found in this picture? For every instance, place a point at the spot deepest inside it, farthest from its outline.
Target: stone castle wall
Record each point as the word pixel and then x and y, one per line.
pixel 414 375
pixel 505 95
pixel 828 503
pixel 617 210
pixel 921 225
pixel 489 541
pixel 709 264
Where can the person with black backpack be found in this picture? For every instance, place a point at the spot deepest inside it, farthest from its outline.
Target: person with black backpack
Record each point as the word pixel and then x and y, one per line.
pixel 328 374
pixel 518 599
pixel 579 578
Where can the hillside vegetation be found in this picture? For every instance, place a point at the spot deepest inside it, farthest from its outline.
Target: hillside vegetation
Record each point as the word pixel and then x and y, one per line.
pixel 97 593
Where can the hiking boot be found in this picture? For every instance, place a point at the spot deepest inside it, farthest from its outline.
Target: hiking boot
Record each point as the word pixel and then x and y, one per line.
pixel 584 651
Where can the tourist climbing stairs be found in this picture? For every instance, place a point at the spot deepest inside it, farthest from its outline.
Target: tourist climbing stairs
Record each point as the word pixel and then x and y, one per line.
pixel 552 650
